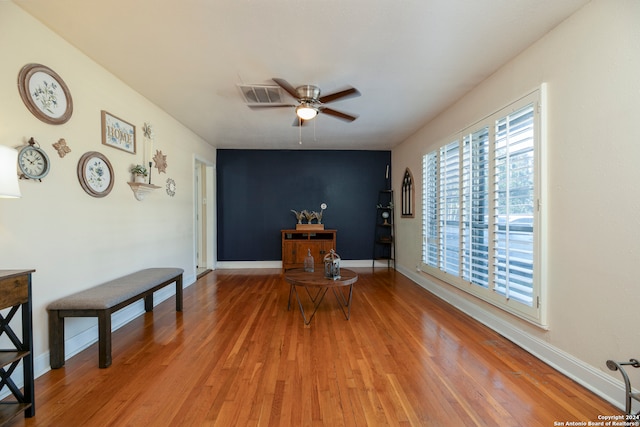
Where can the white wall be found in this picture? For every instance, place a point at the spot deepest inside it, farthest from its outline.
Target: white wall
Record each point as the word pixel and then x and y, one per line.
pixel 75 241
pixel 591 63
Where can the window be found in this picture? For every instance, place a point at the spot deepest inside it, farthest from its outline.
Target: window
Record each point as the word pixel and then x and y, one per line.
pixel 481 220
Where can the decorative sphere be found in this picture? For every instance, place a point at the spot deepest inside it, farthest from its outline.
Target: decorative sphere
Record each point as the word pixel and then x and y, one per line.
pixel 385 215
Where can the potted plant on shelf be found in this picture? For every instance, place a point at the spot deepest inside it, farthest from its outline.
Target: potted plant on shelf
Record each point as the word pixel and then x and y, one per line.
pixel 139 173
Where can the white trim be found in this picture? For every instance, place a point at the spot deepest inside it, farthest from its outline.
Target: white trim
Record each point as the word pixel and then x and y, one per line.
pixel 588 376
pixel 221 265
pixel 208 180
pixel 225 265
pixel 541 185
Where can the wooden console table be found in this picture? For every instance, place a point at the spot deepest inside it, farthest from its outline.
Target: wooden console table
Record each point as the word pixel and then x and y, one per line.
pixel 316 287
pixel 15 293
pixel 296 244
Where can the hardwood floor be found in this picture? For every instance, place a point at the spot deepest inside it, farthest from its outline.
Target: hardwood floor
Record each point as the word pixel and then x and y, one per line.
pixel 237 357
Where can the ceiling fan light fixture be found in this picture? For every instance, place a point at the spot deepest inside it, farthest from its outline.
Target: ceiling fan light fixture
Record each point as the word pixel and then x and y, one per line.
pixel 306 111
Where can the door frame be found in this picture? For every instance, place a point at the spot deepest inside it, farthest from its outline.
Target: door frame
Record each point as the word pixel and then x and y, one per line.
pixel 204 215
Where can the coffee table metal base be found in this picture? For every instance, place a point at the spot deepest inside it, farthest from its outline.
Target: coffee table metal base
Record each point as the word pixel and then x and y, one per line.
pixel 343 301
pixel 316 287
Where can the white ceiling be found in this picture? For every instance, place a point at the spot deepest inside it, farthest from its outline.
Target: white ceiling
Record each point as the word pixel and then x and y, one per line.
pixel 409 59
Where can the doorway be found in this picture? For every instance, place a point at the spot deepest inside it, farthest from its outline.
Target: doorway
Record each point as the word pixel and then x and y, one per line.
pixel 204 216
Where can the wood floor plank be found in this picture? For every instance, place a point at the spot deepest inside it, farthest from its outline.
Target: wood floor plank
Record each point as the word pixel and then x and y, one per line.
pixel 237 356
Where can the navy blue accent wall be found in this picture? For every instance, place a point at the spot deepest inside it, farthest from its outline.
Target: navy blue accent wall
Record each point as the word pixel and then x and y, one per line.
pixel 256 189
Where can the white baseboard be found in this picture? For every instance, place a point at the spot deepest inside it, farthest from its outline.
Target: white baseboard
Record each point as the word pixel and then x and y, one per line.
pixel 227 265
pixel 586 375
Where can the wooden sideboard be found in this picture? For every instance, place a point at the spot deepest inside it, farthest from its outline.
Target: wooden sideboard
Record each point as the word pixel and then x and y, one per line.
pixel 296 244
pixel 15 293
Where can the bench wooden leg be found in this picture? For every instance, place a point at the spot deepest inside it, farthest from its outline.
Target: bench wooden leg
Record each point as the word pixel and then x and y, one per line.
pixel 104 339
pixel 148 302
pixel 56 340
pixel 179 293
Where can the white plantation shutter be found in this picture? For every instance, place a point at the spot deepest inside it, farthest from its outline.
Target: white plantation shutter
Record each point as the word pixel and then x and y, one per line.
pixel 449 213
pixel 475 206
pixel 514 205
pixel 480 209
pixel 430 246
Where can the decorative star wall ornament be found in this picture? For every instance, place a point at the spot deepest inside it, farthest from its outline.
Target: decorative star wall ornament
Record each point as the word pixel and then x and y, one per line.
pixel 161 161
pixel 61 147
pixel 147 131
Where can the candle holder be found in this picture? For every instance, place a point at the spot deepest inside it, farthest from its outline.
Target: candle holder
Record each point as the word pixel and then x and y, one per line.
pixel 332 265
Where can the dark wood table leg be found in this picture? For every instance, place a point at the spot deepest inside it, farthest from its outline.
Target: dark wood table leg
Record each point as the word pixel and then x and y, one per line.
pixel 27 362
pixel 56 339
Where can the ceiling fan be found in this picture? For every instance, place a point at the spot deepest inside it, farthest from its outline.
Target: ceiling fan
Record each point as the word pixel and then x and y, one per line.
pixel 310 103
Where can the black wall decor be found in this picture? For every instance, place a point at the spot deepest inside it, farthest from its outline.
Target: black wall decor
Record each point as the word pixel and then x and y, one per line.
pixel 256 190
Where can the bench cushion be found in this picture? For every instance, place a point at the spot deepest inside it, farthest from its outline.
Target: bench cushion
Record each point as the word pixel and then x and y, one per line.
pixel 110 294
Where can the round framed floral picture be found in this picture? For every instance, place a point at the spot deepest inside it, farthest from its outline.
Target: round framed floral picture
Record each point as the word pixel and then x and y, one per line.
pixel 95 174
pixel 45 94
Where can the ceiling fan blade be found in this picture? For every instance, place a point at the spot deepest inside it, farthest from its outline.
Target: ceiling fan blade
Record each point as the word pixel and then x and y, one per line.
pixel 345 93
pixel 286 86
pixel 338 114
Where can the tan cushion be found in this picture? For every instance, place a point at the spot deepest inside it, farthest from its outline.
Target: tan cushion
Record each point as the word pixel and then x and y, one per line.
pixel 115 291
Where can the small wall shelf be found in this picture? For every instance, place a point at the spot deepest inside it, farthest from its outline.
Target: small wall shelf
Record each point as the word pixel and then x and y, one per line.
pixel 140 190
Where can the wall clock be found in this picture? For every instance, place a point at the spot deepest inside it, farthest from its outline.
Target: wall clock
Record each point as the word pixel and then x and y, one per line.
pixel 95 174
pixel 33 162
pixel 45 94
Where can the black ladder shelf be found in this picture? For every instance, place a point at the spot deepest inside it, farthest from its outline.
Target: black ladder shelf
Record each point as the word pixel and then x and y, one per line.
pixel 385 233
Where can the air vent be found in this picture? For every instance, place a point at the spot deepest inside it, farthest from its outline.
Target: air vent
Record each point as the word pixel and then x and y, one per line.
pixel 262 94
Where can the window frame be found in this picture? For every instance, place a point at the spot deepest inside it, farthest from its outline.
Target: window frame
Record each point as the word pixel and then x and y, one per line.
pixel 536 313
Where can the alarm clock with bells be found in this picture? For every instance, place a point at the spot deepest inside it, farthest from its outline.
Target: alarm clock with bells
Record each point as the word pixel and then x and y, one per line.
pixel 33 162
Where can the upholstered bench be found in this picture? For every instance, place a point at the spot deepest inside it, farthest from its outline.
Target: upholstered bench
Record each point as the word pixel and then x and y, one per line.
pixel 102 300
